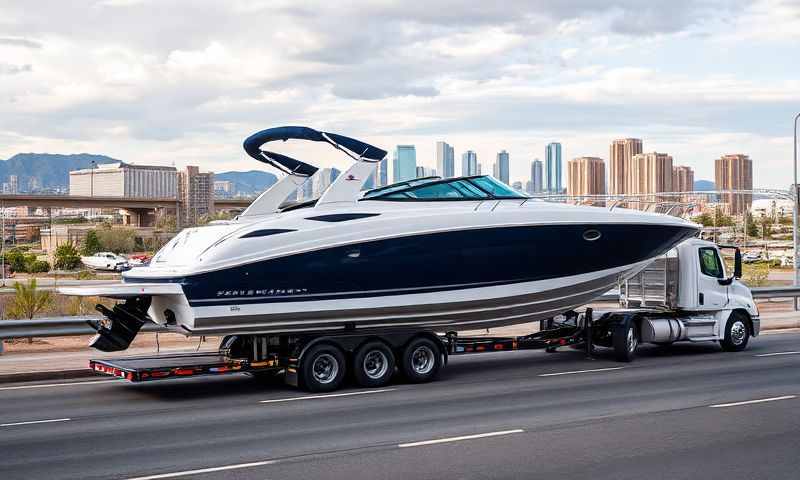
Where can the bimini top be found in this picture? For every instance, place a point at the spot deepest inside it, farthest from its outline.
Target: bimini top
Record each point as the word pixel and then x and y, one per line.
pixel 434 188
pixel 356 149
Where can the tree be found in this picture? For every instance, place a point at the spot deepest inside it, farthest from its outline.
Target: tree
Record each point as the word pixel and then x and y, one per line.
pixel 67 257
pixel 752 227
pixel 92 243
pixel 704 219
pixel 766 227
pixel 28 301
pixel 118 240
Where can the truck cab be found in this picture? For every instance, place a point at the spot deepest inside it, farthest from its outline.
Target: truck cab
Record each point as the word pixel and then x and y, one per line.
pixel 690 294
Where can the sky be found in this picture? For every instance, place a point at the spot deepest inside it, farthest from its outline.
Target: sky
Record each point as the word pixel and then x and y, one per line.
pixel 173 82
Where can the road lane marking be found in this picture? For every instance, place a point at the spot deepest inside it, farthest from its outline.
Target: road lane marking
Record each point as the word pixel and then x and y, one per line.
pixel 48 385
pixel 750 402
pixel 32 422
pixel 332 395
pixel 580 371
pixel 205 470
pixel 777 353
pixel 459 439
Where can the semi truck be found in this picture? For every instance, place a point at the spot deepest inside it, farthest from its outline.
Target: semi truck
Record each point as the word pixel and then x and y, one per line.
pixel 687 295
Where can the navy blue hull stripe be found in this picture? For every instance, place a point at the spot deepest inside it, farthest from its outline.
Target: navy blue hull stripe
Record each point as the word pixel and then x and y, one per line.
pixel 434 262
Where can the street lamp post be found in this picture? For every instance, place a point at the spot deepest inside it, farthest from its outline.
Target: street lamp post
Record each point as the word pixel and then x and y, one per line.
pixel 795 191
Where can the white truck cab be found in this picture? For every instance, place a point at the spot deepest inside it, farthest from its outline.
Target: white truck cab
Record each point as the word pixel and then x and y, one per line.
pixel 689 294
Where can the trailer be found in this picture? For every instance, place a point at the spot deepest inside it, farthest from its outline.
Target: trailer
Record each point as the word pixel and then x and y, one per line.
pixel 686 295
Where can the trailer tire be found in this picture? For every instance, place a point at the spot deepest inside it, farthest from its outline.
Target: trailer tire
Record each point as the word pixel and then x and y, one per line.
pixel 373 364
pixel 625 340
pixel 322 368
pixel 421 360
pixel 737 333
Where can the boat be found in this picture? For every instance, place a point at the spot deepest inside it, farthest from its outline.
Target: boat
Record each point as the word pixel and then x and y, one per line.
pixel 106 261
pixel 444 254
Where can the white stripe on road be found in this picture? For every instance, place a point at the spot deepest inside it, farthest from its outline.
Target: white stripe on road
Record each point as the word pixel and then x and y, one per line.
pixel 34 422
pixel 458 439
pixel 204 470
pixel 750 402
pixel 332 395
pixel 48 385
pixel 777 353
pixel 580 371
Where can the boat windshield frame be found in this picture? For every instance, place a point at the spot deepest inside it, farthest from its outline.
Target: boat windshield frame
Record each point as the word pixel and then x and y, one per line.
pixel 391 192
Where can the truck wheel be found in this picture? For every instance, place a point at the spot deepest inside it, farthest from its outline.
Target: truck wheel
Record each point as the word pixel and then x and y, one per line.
pixel 736 334
pixel 625 340
pixel 373 365
pixel 421 360
pixel 322 368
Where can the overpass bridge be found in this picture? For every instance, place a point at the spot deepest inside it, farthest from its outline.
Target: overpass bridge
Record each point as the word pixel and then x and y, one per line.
pixel 137 208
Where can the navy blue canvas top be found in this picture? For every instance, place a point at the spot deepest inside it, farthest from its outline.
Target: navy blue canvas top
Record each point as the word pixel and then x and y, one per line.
pixel 253 143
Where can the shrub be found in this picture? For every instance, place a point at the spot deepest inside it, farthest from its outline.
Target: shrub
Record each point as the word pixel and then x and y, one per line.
pixel 28 301
pixel 38 266
pixel 92 243
pixel 15 258
pixel 66 257
pixel 85 275
pixel 118 240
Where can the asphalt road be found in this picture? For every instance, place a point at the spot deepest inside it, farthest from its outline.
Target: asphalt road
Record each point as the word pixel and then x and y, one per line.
pixel 672 414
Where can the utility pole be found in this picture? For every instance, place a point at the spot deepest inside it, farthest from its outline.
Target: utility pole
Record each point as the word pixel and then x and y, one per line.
pixel 795 192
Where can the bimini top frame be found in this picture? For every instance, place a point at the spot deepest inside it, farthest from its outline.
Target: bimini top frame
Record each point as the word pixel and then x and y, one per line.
pixel 355 149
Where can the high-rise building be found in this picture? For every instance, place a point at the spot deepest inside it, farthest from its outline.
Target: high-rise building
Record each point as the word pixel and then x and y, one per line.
pixel 469 163
pixel 734 172
pixel 537 178
pixel 423 172
pixel 196 195
pixel 223 188
pixel 125 180
pixel 502 164
pixel 649 173
pixel 383 173
pixel 322 180
pixel 34 184
pixel 619 162
pixel 682 178
pixel 405 163
pixel 13 184
pixel 445 160
pixel 586 176
pixel 517 186
pixel 552 164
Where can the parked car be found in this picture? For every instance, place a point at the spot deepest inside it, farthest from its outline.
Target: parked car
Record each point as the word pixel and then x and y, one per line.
pixel 106 261
pixel 138 260
pixel 751 257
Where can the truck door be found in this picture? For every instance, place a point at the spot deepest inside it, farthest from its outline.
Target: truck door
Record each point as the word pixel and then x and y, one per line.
pixel 711 294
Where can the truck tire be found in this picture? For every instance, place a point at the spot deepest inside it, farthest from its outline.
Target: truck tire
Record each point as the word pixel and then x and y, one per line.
pixel 625 340
pixel 373 364
pixel 322 368
pixel 737 333
pixel 421 360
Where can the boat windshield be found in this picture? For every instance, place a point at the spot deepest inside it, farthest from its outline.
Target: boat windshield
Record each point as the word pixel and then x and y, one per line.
pixel 465 188
pixel 399 186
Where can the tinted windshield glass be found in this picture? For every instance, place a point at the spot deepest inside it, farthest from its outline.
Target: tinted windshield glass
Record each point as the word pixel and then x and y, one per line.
pixel 465 188
pixel 495 187
pixel 399 186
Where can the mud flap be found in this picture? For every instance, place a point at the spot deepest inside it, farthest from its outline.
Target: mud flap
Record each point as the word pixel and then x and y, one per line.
pixel 124 322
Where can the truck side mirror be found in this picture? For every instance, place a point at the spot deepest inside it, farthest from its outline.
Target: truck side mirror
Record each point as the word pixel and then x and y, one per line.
pixel 737 264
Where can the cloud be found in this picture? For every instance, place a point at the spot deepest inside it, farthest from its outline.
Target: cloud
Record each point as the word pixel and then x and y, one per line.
pixel 8 69
pixel 170 80
pixel 20 42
